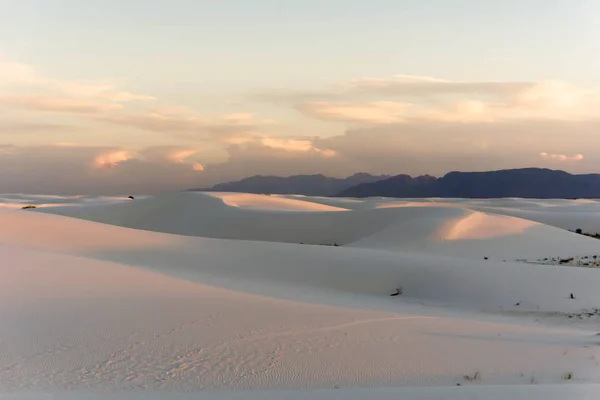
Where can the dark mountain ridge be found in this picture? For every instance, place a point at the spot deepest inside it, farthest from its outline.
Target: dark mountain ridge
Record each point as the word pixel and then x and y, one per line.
pixel 309 185
pixel 524 182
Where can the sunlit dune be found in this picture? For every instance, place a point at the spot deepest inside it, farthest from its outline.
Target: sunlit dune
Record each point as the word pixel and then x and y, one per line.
pixel 73 236
pixel 266 202
pixel 485 226
pixel 190 292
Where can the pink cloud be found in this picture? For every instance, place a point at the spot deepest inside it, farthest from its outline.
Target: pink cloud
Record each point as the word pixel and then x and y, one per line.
pixel 112 158
pixel 561 157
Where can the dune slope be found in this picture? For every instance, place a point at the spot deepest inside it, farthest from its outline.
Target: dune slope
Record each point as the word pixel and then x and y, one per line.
pixel 97 308
pixel 428 228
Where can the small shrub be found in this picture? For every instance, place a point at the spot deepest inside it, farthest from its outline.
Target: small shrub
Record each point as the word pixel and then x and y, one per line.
pixel 578 231
pixel 568 376
pixel 475 377
pixel 28 207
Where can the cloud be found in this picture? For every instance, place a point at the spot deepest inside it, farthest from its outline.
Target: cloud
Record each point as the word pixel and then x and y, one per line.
pixel 64 144
pixel 238 117
pixel 186 126
pixel 285 144
pixel 414 148
pixel 112 158
pixel 94 170
pixel 13 72
pixel 408 87
pixel 405 98
pixel 183 156
pixel 536 103
pixel 562 157
pixel 554 94
pixel 23 87
pixel 26 79
pixel 403 124
pixel 383 112
pixel 179 156
pixel 295 145
pixel 7 149
pixel 157 154
pixel 419 86
pixel 39 102
pixel 387 112
pixel 17 126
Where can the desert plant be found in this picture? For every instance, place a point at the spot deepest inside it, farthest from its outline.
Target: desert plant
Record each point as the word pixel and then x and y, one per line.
pixel 568 376
pixel 28 207
pixel 475 377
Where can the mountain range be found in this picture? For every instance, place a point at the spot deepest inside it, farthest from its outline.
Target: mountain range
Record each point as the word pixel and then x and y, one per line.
pixel 524 182
pixel 309 185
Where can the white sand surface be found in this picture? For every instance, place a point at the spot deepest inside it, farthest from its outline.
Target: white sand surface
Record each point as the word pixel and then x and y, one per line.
pixel 450 229
pixel 262 202
pixel 131 306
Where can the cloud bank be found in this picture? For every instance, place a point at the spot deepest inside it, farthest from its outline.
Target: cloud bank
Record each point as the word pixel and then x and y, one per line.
pixel 400 124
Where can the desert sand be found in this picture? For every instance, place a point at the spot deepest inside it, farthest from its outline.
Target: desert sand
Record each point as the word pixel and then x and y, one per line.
pixel 227 295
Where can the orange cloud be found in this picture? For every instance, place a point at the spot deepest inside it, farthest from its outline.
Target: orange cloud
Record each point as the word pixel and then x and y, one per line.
pixel 179 156
pixel 41 102
pixel 198 167
pixel 25 77
pixel 381 112
pixel 404 98
pixel 112 158
pixel 297 145
pixel 561 157
pixel 22 86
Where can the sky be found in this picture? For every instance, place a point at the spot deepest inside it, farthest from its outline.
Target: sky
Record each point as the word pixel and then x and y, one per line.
pixel 148 96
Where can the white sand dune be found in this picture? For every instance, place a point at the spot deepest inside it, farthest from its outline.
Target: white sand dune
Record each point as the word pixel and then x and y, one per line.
pixel 517 392
pixel 19 200
pixel 263 202
pixel 245 265
pixel 112 307
pixel 565 214
pixel 199 214
pixel 423 227
pixel 82 325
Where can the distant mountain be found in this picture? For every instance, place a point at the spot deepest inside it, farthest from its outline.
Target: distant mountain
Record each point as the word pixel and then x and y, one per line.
pixel 309 185
pixel 526 183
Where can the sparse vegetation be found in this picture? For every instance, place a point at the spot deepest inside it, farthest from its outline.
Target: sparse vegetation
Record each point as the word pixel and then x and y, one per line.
pixel 568 376
pixel 28 207
pixel 594 313
pixel 588 261
pixel 475 377
pixel 322 244
pixel 579 231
